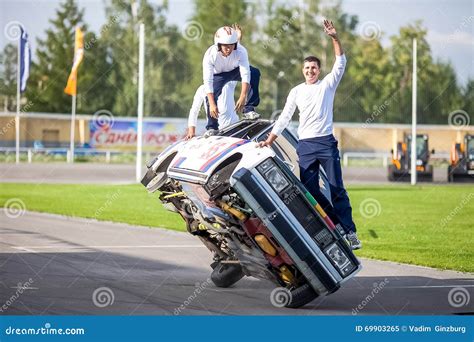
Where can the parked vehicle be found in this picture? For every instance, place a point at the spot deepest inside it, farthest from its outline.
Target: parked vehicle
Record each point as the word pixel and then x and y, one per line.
pixel 461 168
pixel 400 169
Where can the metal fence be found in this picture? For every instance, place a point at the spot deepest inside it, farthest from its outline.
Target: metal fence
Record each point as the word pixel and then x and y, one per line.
pixel 78 152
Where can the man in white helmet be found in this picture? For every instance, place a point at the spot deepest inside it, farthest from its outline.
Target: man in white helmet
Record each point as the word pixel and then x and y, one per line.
pixel 226 61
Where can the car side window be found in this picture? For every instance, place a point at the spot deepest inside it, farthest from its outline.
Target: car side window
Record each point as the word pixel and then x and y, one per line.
pixel 285 147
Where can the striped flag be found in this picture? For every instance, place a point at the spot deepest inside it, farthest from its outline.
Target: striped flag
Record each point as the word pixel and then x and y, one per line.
pixel 71 87
pixel 25 59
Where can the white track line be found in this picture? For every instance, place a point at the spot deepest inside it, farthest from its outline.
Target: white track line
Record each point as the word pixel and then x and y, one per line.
pixel 32 248
pixel 429 287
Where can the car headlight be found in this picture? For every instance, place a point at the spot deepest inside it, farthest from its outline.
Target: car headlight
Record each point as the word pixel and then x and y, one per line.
pixel 276 179
pixel 273 175
pixel 340 259
pixel 266 165
pixel 419 162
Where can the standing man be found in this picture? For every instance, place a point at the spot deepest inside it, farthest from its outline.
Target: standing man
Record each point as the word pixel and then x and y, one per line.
pixel 317 145
pixel 227 60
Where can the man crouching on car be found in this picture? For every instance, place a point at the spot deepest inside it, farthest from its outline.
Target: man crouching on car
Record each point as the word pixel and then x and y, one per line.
pixel 317 145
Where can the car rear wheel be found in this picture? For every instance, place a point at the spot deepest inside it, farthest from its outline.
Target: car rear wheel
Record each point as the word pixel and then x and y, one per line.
pixel 225 275
pixel 301 296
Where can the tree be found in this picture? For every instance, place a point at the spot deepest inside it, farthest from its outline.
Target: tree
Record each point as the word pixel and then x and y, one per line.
pixel 55 56
pixel 8 70
pixel 362 95
pixel 166 60
pixel 468 96
pixel 438 93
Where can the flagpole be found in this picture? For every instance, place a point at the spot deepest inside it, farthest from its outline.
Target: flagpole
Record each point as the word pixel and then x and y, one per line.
pixel 141 64
pixel 73 128
pixel 18 98
pixel 413 117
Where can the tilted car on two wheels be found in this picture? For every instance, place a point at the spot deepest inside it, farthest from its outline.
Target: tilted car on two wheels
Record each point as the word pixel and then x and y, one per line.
pixel 247 205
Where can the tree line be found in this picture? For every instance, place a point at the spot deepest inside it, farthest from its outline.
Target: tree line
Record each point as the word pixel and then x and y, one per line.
pixel 376 87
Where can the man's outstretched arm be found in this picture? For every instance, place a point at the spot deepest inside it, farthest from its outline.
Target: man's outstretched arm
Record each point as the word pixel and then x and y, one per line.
pixel 334 77
pixel 331 31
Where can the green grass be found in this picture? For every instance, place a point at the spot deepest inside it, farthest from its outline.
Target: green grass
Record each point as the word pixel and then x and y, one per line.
pixel 125 203
pixel 423 225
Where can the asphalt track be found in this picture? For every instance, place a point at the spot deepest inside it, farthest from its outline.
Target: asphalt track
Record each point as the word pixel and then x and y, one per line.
pixel 59 263
pixel 125 173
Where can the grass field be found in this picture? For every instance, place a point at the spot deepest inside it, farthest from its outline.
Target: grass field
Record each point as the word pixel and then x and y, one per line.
pixel 425 225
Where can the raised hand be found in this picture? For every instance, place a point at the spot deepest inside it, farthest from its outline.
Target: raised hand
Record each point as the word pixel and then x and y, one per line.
pixel 329 28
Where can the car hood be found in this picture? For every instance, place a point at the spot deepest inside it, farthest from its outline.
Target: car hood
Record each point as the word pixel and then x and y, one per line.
pixel 197 159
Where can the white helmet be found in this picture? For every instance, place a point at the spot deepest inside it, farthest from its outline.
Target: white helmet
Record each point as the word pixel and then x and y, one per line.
pixel 225 35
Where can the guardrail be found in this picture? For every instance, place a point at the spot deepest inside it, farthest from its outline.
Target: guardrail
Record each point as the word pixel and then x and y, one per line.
pixel 66 151
pixel 366 155
pixel 386 157
pixel 30 151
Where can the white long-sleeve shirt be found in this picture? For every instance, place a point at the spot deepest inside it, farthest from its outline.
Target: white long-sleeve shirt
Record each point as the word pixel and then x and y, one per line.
pixel 315 104
pixel 214 63
pixel 225 105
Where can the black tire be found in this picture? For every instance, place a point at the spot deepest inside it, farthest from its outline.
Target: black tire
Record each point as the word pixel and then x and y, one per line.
pixel 225 275
pixel 450 174
pixel 157 182
pixel 429 171
pixel 301 296
pixel 391 173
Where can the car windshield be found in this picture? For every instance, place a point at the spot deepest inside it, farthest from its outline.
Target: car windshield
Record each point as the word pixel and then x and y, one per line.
pixel 470 148
pixel 246 129
pixel 421 147
pixel 232 129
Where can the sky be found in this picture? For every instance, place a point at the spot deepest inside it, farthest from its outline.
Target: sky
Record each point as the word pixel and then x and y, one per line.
pixel 450 23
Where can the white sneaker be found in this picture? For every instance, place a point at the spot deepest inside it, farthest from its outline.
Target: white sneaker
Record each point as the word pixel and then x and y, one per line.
pixel 354 241
pixel 210 133
pixel 251 115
